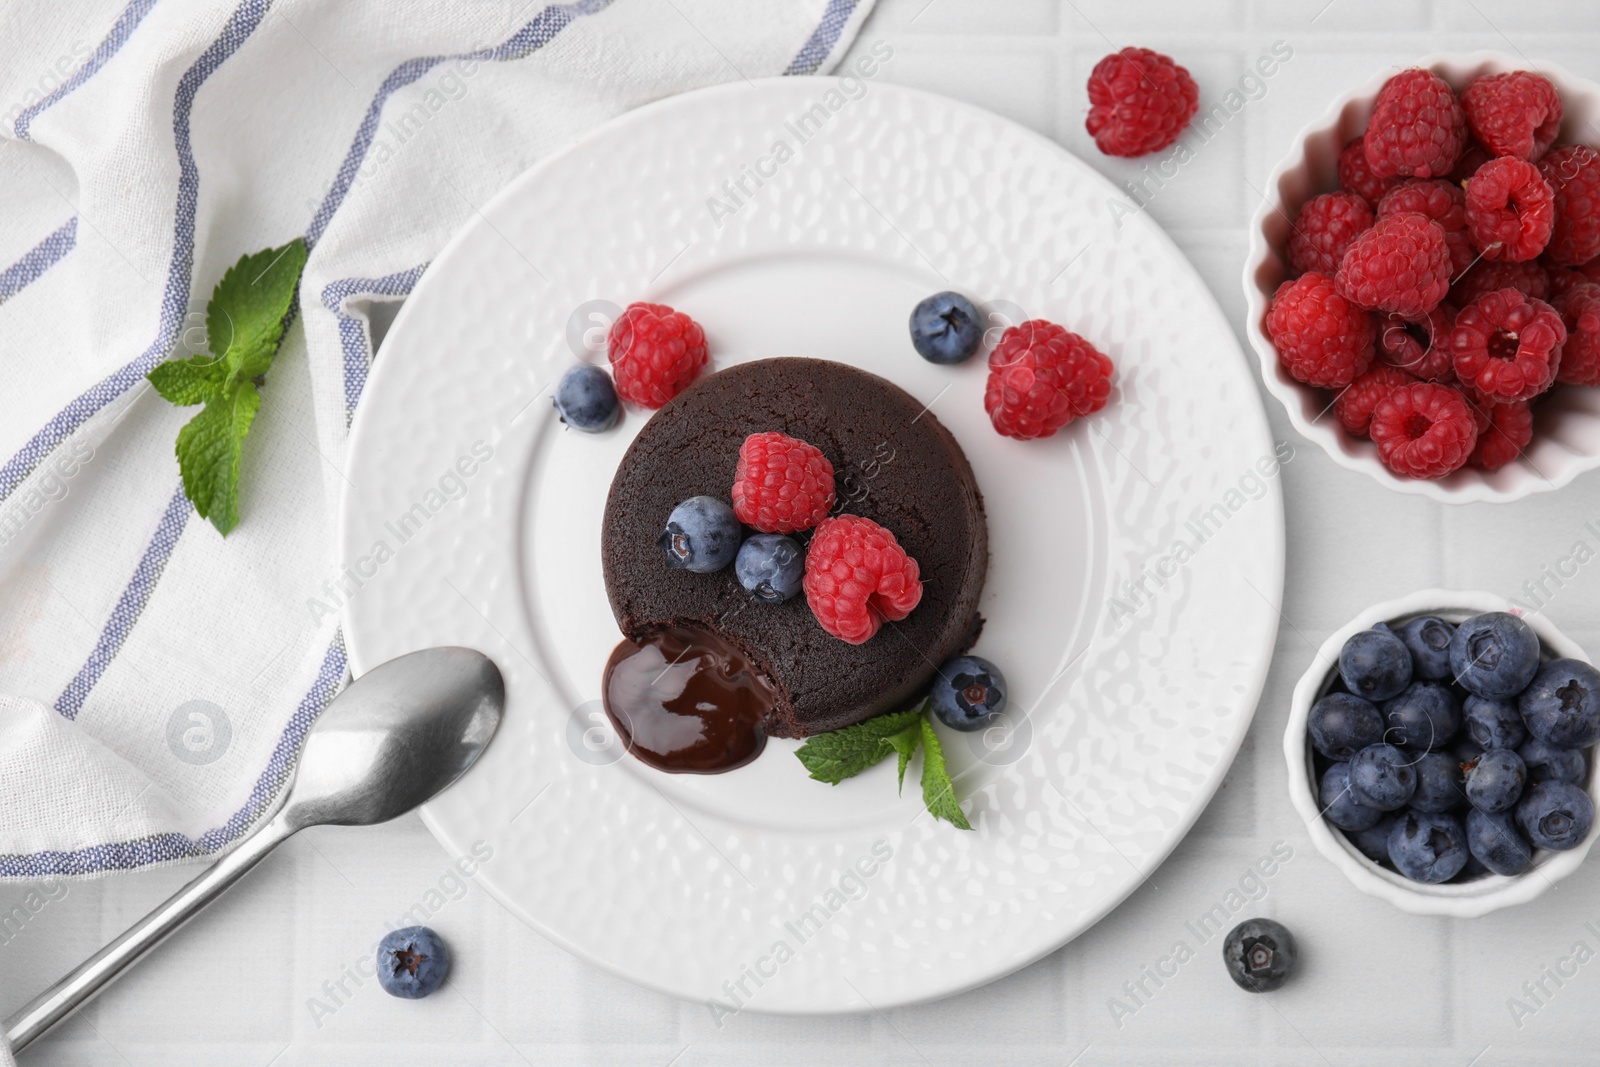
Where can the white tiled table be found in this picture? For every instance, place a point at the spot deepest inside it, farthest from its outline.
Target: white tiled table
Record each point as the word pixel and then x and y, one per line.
pixel 258 980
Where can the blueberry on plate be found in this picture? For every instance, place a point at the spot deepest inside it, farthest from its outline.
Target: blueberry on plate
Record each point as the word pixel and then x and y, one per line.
pixel 1382 777
pixel 1373 842
pixel 1494 781
pixel 1339 805
pixel 1259 955
pixel 586 399
pixel 1493 723
pixel 1562 704
pixel 1342 724
pixel 946 328
pixel 1375 664
pixel 1495 841
pixel 770 567
pixel 1547 762
pixel 702 535
pixel 1428 640
pixel 969 693
pixel 1425 716
pixel 1555 815
pixel 1438 783
pixel 1494 655
pixel 412 962
pixel 1428 846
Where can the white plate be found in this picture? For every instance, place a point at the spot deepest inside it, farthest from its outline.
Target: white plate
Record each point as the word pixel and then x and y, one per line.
pixel 1128 721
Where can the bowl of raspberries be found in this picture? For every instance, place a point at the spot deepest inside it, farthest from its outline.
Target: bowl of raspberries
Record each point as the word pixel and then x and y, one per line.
pixel 1423 280
pixel 1441 750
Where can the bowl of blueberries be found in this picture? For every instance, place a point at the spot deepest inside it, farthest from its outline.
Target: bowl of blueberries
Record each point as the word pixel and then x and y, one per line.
pixel 1440 750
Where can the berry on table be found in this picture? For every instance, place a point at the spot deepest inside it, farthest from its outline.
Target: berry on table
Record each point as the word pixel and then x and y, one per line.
pixel 1355 403
pixel 702 535
pixel 1324 229
pixel 1357 177
pixel 781 484
pixel 1259 954
pixel 1516 114
pixel 1322 338
pixel 1493 723
pixel 1494 780
pixel 1547 762
pixel 1041 377
pixel 412 962
pixel 770 567
pixel 1342 724
pixel 1424 716
pixel 1375 664
pixel 1555 815
pixel 857 577
pixel 1510 209
pixel 1494 655
pixel 1561 706
pixel 1401 264
pixel 1573 173
pixel 1504 430
pixel 1427 638
pixel 1496 842
pixel 1506 345
pixel 586 399
pixel 1419 346
pixel 1579 307
pixel 1439 783
pixel 655 353
pixel 1382 777
pixel 1424 430
pixel 1139 102
pixel 968 693
pixel 946 328
pixel 1417 129
pixel 1428 846
pixel 1339 803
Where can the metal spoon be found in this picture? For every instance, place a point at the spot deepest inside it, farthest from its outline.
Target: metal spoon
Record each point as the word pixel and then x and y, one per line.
pixel 395 737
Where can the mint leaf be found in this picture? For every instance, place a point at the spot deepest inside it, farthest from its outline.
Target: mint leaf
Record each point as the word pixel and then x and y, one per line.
pixel 188 381
pixel 905 743
pixel 833 757
pixel 209 448
pixel 248 309
pixel 938 792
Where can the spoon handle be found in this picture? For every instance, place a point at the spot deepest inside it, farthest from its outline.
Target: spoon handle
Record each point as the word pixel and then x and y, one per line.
pixel 101 969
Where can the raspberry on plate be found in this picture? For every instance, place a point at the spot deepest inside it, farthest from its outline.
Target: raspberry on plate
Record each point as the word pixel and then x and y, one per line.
pixel 1420 347
pixel 1580 355
pixel 1417 128
pixel 1139 102
pixel 1424 430
pixel 1355 404
pixel 1507 345
pixel 1516 114
pixel 655 353
pixel 1441 201
pixel 782 484
pixel 1356 177
pixel 1573 172
pixel 1041 377
pixel 1485 276
pixel 1402 264
pixel 1324 229
pixel 1322 338
pixel 1510 209
pixel 858 576
pixel 1504 430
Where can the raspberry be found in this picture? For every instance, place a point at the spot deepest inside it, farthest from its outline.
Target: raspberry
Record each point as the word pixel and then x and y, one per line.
pixel 655 353
pixel 1510 209
pixel 1516 114
pixel 1357 177
pixel 1507 345
pixel 1487 275
pixel 1355 404
pixel 1420 347
pixel 782 484
pixel 1324 229
pixel 1402 264
pixel 1473 157
pixel 1041 377
pixel 1442 202
pixel 1423 430
pixel 857 575
pixel 1417 128
pixel 1504 430
pixel 1322 338
pixel 1580 355
pixel 1573 173
pixel 1139 101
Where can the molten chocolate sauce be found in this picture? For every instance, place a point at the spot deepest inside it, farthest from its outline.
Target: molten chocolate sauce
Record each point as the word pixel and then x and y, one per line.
pixel 685 700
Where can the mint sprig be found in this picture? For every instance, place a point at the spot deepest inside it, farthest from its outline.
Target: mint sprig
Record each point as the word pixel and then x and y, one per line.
pixel 245 322
pixel 833 757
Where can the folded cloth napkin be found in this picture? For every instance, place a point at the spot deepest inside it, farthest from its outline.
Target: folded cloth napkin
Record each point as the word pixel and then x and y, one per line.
pixel 156 679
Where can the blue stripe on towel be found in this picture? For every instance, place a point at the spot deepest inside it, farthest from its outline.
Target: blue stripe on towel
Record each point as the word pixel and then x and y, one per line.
pixel 40 258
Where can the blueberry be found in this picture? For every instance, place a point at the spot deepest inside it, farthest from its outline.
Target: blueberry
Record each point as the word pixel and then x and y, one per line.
pixel 1555 815
pixel 586 399
pixel 1495 780
pixel 1382 777
pixel 1562 704
pixel 1473 869
pixel 1438 783
pixel 702 535
pixel 412 962
pixel 1373 842
pixel 1339 805
pixel 1375 664
pixel 946 328
pixel 770 567
pixel 1493 723
pixel 1428 846
pixel 1495 841
pixel 969 693
pixel 1465 750
pixel 1494 655
pixel 1259 955
pixel 1428 640
pixel 1342 724
pixel 1551 763
pixel 1425 715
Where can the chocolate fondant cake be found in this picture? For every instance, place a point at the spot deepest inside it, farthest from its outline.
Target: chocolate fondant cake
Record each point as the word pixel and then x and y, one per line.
pixel 894 463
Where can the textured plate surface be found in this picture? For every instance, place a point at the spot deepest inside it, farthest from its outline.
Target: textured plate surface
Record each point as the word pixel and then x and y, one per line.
pixel 1137 557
